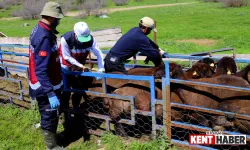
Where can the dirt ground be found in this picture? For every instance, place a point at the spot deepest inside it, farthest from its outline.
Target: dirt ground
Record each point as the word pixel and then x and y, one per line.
pixel 12 88
pixel 202 42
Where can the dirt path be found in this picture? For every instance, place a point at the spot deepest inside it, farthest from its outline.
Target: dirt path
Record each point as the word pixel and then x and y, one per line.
pixel 111 10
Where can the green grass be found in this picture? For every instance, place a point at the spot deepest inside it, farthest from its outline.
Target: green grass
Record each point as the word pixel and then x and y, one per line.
pixel 146 2
pixel 18 132
pixel 6 13
pixel 228 26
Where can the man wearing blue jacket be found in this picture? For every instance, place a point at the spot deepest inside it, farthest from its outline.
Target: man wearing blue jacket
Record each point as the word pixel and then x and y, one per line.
pixel 130 43
pixel 45 80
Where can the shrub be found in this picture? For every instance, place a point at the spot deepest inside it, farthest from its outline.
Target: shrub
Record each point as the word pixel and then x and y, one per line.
pixel 120 2
pixel 12 2
pixel 3 6
pixel 138 0
pixel 67 5
pixel 235 3
pixel 92 7
pixel 31 9
pixel 212 0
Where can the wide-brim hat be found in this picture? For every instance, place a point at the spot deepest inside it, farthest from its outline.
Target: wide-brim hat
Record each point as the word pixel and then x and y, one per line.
pixel 52 9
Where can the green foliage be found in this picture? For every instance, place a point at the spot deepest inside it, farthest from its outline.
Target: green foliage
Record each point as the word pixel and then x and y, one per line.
pixel 112 142
pixel 17 129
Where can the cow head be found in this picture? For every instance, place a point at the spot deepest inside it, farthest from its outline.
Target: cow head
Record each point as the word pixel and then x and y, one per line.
pixel 200 70
pixel 208 61
pixel 226 65
pixel 175 71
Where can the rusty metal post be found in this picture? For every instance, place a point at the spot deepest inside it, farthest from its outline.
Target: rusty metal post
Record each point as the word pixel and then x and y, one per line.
pixel 155 34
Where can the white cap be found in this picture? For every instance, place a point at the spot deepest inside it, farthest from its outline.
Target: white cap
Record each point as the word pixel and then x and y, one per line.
pixel 148 22
pixel 82 32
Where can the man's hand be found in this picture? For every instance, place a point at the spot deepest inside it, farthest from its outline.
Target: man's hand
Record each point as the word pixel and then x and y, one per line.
pixel 54 102
pixel 85 69
pixel 162 53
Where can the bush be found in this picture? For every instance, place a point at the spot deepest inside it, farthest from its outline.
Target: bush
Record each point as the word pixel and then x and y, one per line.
pixel 67 5
pixel 92 7
pixel 12 2
pixel 3 6
pixel 212 0
pixel 31 9
pixel 120 2
pixel 138 0
pixel 235 3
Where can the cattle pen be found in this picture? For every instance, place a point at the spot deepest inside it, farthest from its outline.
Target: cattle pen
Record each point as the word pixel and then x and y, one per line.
pixel 176 131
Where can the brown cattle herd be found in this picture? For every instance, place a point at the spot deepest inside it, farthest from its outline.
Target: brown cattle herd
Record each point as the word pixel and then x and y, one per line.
pixel 206 70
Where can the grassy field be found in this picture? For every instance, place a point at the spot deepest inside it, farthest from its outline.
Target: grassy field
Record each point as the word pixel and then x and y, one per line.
pixel 147 2
pixel 18 132
pixel 228 27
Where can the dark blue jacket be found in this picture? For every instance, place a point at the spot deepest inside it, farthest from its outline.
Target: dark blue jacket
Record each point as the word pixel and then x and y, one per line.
pixel 44 63
pixel 132 42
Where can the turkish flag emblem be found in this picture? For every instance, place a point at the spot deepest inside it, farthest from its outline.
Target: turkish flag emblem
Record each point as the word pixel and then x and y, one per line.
pixel 43 53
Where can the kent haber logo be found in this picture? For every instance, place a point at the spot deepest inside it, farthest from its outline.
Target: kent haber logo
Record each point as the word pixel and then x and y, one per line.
pixel 217 138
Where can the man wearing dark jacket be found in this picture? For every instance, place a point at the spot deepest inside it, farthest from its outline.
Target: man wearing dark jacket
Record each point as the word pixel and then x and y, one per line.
pixel 45 80
pixel 130 43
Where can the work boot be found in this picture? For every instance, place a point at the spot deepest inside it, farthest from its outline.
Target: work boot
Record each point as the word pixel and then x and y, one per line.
pixel 50 141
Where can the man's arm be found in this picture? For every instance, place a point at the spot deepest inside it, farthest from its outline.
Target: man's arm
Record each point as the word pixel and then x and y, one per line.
pixel 66 54
pixel 42 61
pixel 154 45
pixel 98 53
pixel 152 53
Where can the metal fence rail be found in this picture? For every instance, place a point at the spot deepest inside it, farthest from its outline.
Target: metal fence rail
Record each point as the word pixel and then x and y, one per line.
pixel 9 65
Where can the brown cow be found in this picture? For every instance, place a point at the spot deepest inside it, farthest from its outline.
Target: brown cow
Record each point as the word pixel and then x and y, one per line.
pixel 208 61
pixel 244 73
pixel 199 70
pixel 208 97
pixel 226 65
pixel 239 106
pixel 141 92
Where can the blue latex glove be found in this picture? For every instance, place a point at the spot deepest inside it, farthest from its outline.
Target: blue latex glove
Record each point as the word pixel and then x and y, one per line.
pixel 54 102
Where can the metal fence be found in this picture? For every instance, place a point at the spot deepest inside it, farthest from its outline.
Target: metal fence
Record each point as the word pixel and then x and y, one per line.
pixel 14 88
pixel 176 131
